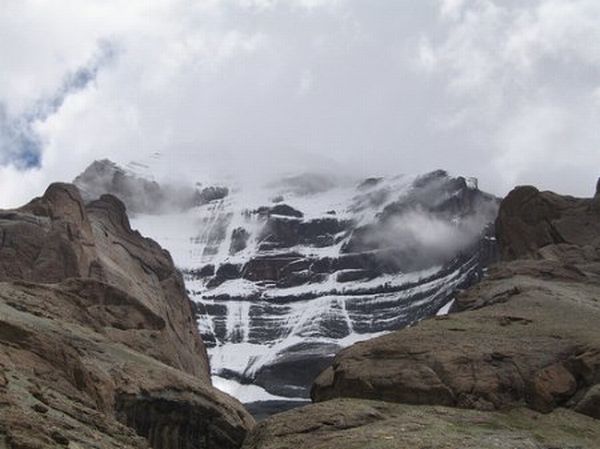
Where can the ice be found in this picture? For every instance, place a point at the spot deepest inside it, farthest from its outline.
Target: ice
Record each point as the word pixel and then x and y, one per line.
pixel 190 235
pixel 247 393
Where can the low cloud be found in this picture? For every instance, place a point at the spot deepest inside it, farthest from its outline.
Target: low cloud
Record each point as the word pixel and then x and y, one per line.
pixel 506 91
pixel 419 239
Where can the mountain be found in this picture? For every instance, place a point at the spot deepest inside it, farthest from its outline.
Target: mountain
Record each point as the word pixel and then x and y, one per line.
pixel 516 364
pixel 286 273
pixel 98 342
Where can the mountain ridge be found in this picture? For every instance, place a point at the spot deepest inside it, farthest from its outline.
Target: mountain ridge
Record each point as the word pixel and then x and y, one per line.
pixel 515 364
pixel 286 274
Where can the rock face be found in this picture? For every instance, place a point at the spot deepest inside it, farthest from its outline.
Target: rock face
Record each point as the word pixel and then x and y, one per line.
pixel 530 220
pixel 526 335
pixel 359 424
pixel 520 346
pixel 99 347
pixel 139 192
pixel 525 341
pixel 286 274
pixel 280 288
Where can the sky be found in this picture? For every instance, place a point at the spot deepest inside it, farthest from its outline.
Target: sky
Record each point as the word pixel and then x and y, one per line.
pixel 507 91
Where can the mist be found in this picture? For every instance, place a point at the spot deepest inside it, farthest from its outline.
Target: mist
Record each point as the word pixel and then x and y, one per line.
pixel 255 90
pixel 419 239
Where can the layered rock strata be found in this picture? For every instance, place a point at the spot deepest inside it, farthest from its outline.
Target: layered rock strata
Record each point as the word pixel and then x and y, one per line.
pixel 526 335
pixel 524 341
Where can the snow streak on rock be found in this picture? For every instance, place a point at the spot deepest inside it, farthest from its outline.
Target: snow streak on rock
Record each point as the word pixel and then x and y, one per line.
pixel 285 275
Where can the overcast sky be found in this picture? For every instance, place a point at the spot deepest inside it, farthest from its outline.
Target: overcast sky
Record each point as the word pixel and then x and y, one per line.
pixel 504 90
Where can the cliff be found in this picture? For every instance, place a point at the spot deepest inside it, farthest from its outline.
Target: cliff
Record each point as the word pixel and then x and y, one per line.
pixel 98 344
pixel 517 366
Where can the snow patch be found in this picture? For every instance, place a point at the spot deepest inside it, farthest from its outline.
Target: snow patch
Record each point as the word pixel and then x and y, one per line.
pixel 247 393
pixel 446 309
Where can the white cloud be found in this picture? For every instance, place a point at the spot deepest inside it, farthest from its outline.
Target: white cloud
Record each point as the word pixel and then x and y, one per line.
pixel 497 89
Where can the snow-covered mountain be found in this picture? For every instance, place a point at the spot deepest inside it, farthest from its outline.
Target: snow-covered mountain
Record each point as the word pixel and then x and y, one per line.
pixel 286 274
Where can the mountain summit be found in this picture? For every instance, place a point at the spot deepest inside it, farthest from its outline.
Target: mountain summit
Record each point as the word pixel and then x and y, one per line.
pixel 284 275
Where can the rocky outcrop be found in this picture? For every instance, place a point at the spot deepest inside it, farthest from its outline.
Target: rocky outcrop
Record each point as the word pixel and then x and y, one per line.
pixel 211 193
pixel 359 424
pixel 98 344
pixel 530 220
pixel 521 346
pixel 522 342
pixel 526 335
pixel 139 194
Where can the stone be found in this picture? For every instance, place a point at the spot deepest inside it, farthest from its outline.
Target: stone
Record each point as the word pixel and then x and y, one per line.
pixel 139 194
pixel 211 193
pixel 239 240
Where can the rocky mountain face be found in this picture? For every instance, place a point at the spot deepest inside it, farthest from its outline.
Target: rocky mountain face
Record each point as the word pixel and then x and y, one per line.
pixel 98 342
pixel 285 275
pixel 138 193
pixel 516 365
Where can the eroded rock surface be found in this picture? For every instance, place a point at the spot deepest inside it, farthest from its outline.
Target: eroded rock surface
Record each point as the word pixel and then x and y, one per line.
pixel 536 346
pixel 519 365
pixel 526 334
pixel 98 344
pixel 359 424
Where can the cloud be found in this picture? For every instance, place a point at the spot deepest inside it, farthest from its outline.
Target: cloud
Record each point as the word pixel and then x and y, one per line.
pixel 20 144
pixel 523 77
pixel 503 90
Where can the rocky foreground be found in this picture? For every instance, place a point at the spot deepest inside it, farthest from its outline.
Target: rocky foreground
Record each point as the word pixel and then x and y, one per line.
pixel 99 347
pixel 518 367
pixel 98 344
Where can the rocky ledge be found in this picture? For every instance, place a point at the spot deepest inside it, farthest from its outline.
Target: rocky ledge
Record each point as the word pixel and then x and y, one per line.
pixel 98 344
pixel 360 424
pixel 517 365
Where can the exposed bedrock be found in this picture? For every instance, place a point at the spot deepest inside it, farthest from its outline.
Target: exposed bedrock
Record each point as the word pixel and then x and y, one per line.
pixel 529 220
pixel 526 334
pixel 360 424
pixel 311 281
pixel 285 275
pixel 98 343
pixel 516 365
